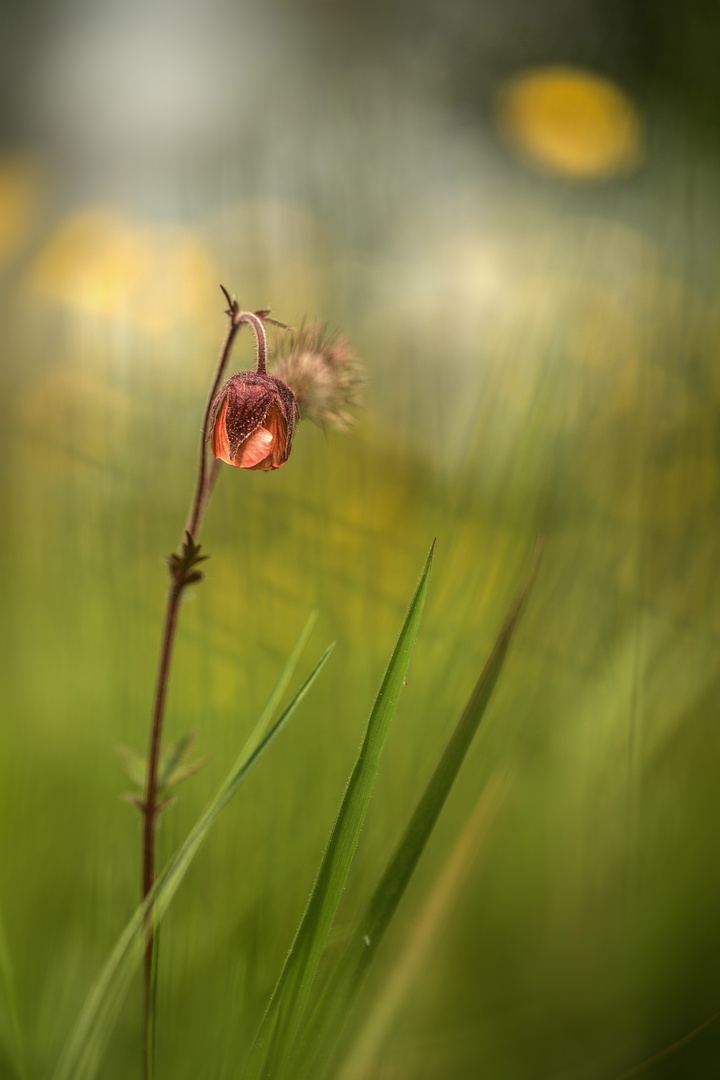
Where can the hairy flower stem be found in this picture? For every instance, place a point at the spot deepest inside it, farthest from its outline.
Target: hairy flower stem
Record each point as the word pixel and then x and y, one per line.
pixel 181 577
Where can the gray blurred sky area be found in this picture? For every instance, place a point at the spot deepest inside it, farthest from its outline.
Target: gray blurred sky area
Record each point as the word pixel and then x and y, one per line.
pixel 172 71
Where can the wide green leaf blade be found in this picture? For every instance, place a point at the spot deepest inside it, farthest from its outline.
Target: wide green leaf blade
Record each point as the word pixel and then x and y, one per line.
pixel 83 1050
pixel 284 1014
pixel 320 1035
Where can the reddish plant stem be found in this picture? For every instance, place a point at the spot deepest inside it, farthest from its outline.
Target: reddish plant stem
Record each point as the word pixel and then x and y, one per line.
pixel 260 339
pixel 168 641
pixel 203 489
pixel 236 321
pixel 199 501
pixel 150 805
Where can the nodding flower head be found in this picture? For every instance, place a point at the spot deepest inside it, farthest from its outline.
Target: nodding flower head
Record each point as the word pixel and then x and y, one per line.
pixel 323 373
pixel 253 418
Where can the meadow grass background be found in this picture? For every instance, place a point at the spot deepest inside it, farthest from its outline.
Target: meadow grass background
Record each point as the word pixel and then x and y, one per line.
pixel 543 359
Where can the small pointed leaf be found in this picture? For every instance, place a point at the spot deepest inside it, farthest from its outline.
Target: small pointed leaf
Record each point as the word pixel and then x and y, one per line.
pixel 166 803
pixel 185 771
pixel 135 800
pixel 173 756
pixel 132 764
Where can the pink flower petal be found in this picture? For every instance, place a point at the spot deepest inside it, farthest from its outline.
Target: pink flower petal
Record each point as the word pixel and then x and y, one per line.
pixel 255 448
pixel 218 435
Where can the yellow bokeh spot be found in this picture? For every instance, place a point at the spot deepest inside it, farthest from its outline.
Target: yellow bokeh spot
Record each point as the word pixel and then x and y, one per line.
pixel 572 122
pixel 100 262
pixel 20 191
pixel 71 414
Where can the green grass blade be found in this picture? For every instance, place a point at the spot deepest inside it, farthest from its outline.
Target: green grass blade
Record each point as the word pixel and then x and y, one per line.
pixel 321 1033
pixel 17 1051
pixel 281 685
pixel 284 1014
pixel 434 913
pixel 82 1053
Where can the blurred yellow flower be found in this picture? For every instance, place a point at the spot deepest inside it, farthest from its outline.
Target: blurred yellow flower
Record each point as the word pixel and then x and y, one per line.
pixel 572 122
pixel 71 415
pixel 100 262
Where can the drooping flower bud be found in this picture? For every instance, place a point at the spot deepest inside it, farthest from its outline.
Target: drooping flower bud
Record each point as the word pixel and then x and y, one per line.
pixel 253 418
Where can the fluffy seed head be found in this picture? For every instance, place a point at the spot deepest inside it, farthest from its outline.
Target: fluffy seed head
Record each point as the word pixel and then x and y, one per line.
pixel 323 373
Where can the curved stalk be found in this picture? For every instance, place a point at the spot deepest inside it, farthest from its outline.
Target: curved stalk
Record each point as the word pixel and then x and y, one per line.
pixel 183 574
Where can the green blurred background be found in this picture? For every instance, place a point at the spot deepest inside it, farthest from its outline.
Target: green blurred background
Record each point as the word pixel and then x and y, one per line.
pixel 512 210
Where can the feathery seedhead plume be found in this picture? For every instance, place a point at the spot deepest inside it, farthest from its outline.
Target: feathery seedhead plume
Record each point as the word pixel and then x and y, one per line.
pixel 323 373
